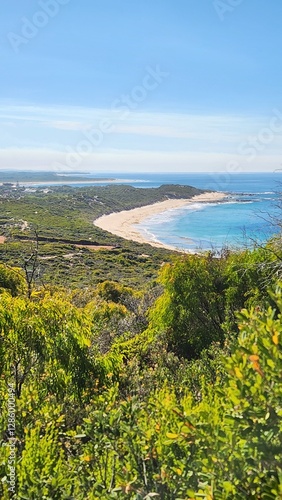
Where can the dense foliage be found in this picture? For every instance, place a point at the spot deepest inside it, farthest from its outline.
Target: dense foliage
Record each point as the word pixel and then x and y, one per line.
pixel 128 371
pixel 168 392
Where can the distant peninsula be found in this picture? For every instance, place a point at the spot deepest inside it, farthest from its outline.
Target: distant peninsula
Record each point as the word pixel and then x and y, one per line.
pixel 38 177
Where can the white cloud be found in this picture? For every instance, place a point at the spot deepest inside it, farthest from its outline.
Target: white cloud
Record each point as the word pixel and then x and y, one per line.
pixel 135 161
pixel 160 141
pixel 66 125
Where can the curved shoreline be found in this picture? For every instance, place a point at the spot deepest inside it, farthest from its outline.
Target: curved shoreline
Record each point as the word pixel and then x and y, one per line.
pixel 124 223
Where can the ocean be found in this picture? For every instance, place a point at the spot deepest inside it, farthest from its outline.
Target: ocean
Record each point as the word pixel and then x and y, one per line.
pixel 246 217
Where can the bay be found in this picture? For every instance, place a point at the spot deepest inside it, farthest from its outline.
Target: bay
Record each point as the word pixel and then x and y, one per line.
pixel 246 217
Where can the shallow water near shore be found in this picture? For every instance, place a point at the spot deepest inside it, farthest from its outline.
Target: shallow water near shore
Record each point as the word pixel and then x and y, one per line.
pixel 211 226
pixel 245 217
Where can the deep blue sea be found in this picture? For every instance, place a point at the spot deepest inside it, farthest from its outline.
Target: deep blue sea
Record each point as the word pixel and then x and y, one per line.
pixel 242 219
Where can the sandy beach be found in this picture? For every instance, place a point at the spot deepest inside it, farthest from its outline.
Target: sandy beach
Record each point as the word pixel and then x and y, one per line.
pixel 124 223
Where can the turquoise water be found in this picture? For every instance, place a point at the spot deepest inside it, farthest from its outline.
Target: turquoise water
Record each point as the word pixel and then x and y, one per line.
pixel 212 226
pixel 245 217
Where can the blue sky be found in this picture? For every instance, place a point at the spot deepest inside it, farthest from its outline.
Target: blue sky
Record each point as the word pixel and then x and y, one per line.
pixel 174 85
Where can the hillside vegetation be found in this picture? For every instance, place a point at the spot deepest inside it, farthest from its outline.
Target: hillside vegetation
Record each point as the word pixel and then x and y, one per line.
pixel 167 389
pixel 61 219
